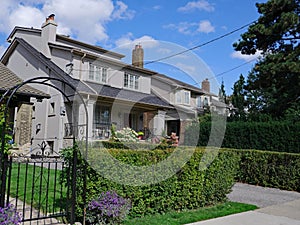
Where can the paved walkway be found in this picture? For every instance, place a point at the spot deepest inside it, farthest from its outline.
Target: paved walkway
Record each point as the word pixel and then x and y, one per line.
pixel 277 207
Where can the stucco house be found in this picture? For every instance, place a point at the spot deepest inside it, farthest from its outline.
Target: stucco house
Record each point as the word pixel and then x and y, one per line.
pixel 20 108
pixel 115 93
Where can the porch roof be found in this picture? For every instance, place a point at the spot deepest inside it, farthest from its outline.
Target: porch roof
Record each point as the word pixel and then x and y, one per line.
pixel 128 95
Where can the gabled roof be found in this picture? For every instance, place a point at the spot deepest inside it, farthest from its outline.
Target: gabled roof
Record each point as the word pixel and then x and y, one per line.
pixel 65 38
pixel 9 79
pixel 56 70
pixel 89 87
pixel 178 83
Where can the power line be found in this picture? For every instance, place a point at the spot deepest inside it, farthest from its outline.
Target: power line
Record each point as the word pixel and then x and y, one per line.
pixel 201 45
pixel 234 68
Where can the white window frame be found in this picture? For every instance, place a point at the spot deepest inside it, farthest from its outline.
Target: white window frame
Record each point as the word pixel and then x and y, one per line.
pixel 186 97
pixel 97 73
pixel 199 102
pixel 183 97
pixel 131 81
pixel 178 97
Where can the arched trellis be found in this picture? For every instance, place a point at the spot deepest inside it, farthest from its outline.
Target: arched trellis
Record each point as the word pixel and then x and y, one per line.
pixel 7 98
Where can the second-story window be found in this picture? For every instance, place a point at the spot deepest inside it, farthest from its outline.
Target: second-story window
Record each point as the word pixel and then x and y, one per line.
pixel 187 97
pixel 131 81
pixel 98 73
pixel 183 97
pixel 198 102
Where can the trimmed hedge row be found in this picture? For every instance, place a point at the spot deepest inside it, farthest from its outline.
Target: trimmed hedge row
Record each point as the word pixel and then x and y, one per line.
pixel 189 188
pixel 273 136
pixel 269 169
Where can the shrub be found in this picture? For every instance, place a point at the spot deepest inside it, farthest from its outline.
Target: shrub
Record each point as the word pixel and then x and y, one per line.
pixel 9 215
pixel 280 136
pixel 269 169
pixel 189 188
pixel 108 208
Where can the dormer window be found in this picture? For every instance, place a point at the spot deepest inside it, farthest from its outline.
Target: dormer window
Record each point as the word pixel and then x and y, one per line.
pixel 131 81
pixel 98 73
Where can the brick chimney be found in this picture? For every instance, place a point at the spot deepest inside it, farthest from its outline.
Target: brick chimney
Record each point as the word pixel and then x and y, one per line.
pixel 138 56
pixel 206 85
pixel 48 35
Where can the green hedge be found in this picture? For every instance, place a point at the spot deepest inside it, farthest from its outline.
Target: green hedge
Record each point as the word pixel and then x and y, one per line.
pixel 272 136
pixel 269 169
pixel 189 188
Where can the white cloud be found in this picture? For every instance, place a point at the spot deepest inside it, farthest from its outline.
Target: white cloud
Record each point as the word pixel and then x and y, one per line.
pixel 186 68
pixel 200 5
pixel 183 27
pixel 164 51
pixel 122 12
pixel 26 16
pixel 247 58
pixel 128 42
pixel 81 19
pixel 205 27
pixel 186 28
pixel 157 7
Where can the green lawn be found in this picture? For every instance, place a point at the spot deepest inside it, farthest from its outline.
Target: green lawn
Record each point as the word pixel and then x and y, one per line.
pixel 180 218
pixel 41 185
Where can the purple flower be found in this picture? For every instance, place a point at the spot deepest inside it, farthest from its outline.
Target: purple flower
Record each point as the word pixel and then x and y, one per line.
pixel 9 215
pixel 108 208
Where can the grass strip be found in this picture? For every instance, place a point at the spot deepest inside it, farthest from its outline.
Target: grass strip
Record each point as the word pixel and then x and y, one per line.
pixel 185 217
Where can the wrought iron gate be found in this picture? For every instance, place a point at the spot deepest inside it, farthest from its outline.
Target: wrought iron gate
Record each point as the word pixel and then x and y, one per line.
pixel 33 182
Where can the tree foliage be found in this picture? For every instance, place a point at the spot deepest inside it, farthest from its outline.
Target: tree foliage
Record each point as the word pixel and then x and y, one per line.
pixel 273 84
pixel 238 98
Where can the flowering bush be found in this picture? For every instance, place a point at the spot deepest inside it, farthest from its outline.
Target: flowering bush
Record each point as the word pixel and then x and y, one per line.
pixel 9 216
pixel 126 135
pixel 108 208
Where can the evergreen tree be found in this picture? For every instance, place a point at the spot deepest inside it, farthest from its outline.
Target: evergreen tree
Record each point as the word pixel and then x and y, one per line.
pixel 238 98
pixel 273 84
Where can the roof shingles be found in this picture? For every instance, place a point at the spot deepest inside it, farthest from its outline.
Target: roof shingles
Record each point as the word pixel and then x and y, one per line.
pixel 10 79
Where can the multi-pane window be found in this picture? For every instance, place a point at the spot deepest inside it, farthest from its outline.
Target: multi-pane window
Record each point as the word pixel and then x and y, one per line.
pixel 187 97
pixel 178 97
pixel 102 115
pixel 183 97
pixel 131 81
pixel 98 73
pixel 199 102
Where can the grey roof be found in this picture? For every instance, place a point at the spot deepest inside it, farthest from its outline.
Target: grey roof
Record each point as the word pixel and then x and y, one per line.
pixel 176 82
pixel 128 95
pixel 64 38
pixel 10 79
pixel 93 88
pixel 56 71
pixel 219 103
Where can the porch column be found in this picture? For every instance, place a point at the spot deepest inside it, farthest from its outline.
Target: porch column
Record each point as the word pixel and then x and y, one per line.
pixel 90 105
pixel 91 109
pixel 159 122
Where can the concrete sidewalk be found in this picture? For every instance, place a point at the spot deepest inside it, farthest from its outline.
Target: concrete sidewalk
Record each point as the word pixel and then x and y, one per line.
pixel 277 207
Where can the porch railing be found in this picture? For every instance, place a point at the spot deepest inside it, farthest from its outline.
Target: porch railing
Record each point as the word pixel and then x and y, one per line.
pixel 99 131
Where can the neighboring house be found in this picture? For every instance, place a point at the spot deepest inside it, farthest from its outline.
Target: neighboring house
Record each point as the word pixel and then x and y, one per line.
pixel 114 92
pixel 20 108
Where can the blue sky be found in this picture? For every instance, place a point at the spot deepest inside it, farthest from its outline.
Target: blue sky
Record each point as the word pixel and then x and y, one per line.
pixel 175 25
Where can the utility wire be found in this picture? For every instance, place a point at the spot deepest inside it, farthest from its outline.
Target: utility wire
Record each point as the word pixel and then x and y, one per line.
pixel 200 45
pixel 234 68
